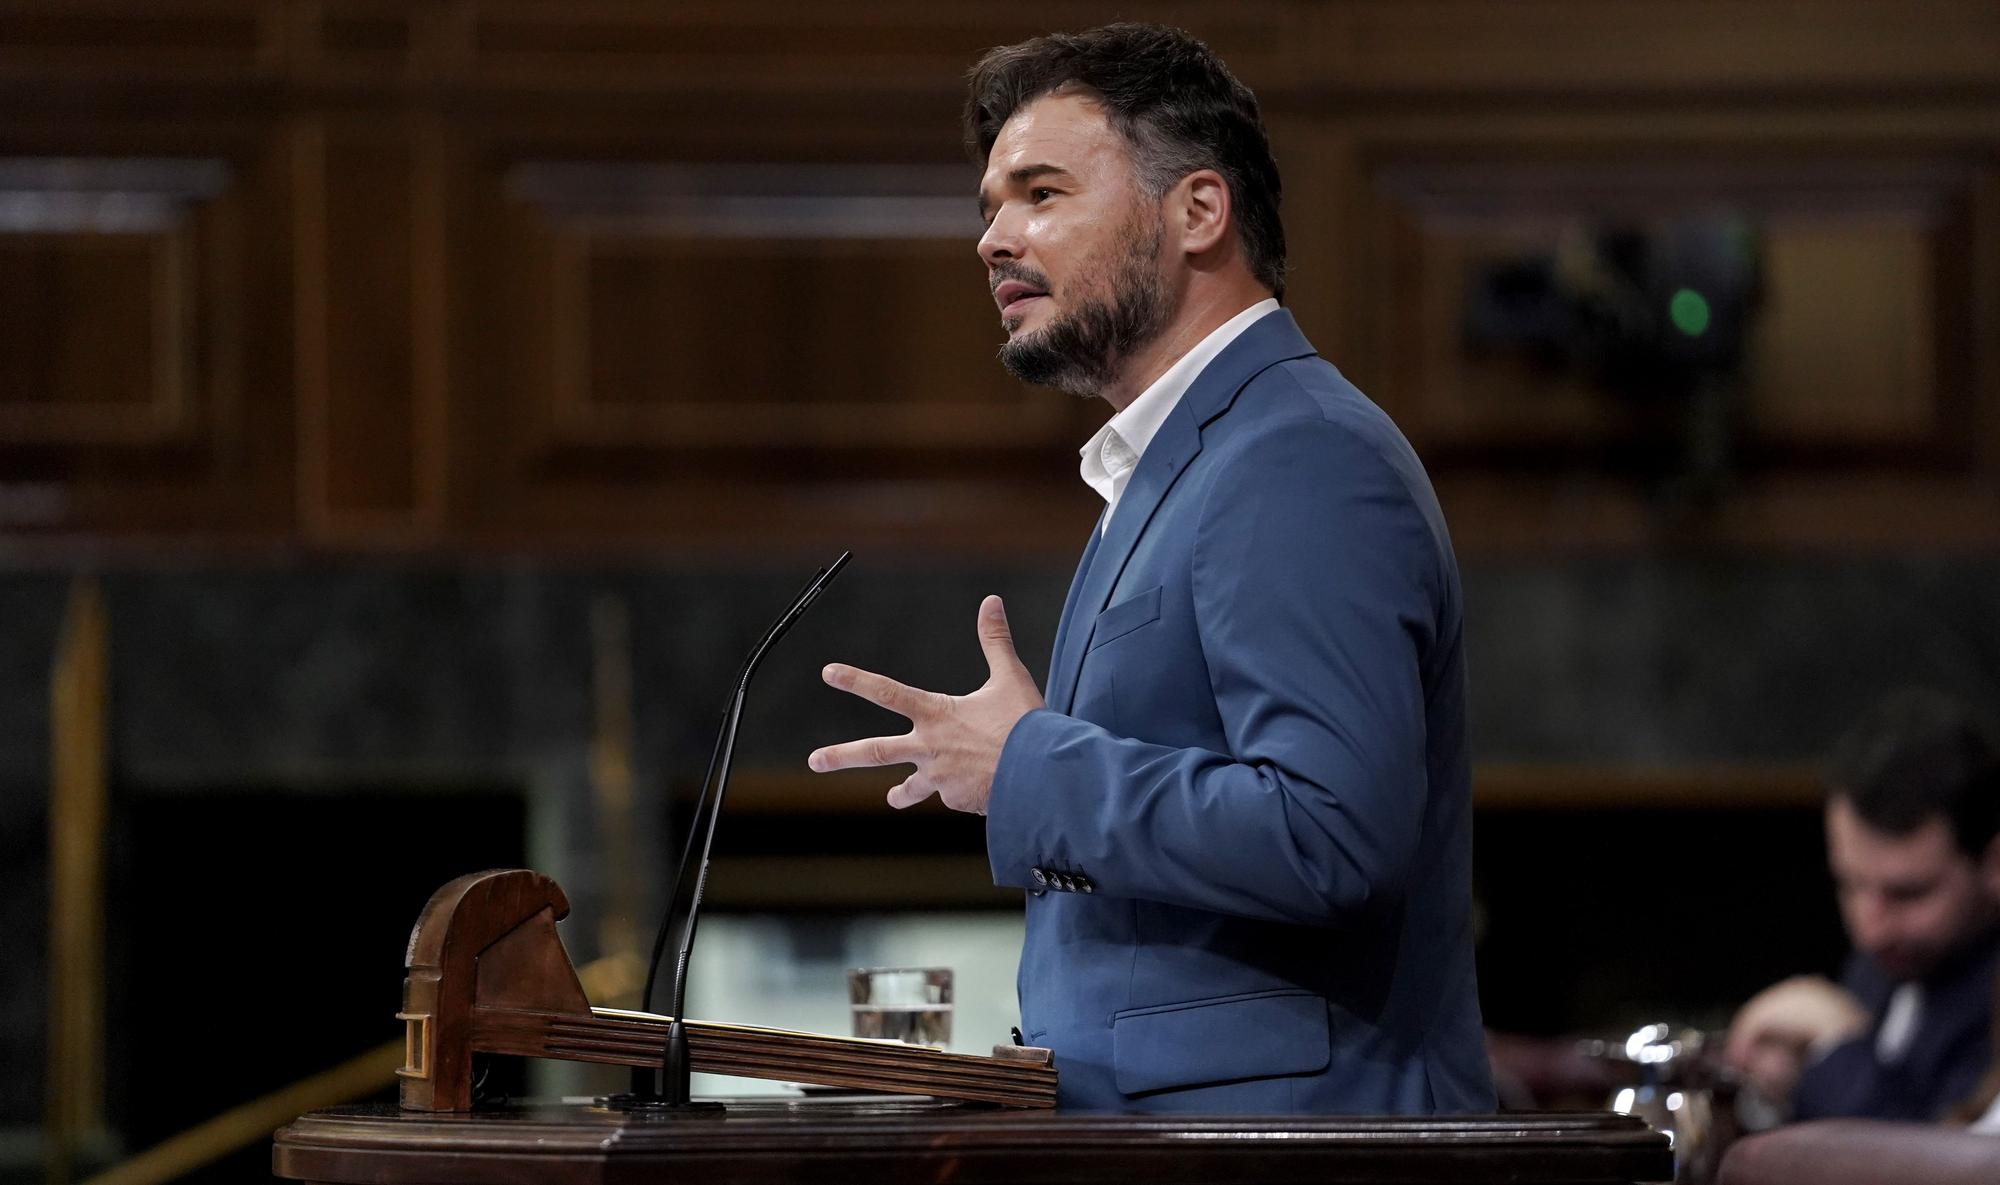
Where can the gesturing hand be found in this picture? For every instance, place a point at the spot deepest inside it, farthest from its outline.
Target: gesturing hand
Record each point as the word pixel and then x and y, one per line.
pixel 954 740
pixel 1774 1035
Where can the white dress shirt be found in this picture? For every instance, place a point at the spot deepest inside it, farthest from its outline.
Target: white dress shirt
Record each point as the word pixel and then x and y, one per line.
pixel 1109 457
pixel 1899 1022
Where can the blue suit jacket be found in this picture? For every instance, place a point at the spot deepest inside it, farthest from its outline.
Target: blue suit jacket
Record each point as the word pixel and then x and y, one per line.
pixel 1244 815
pixel 1943 1062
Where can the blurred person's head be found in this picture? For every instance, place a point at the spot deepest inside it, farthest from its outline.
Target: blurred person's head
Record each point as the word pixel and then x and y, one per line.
pixel 1913 808
pixel 1127 179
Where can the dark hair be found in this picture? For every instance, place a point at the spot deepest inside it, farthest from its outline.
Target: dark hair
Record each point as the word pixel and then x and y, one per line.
pixel 1916 756
pixel 1173 101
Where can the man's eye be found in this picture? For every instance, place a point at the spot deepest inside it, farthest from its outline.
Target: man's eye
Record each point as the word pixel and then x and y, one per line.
pixel 1040 194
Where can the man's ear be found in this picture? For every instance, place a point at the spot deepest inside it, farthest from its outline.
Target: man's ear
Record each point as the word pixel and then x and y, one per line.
pixel 1201 211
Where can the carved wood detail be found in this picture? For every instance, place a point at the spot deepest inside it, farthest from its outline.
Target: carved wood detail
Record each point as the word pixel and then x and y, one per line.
pixel 135 345
pixel 507 273
pixel 718 348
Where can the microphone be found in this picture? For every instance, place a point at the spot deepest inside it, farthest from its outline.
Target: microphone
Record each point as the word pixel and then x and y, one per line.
pixel 667 1085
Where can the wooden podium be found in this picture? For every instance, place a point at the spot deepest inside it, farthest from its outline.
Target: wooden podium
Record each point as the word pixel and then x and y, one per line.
pixel 888 1141
pixel 487 974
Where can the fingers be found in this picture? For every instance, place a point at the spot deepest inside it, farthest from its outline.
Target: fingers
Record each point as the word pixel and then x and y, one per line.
pixel 865 754
pixel 1746 1046
pixel 879 690
pixel 910 793
pixel 1775 1072
pixel 996 638
pixel 1792 1016
pixel 1753 1027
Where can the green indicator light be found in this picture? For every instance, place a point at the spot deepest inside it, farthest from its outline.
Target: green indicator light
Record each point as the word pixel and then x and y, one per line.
pixel 1689 309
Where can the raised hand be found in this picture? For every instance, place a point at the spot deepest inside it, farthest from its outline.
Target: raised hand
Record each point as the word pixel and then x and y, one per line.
pixel 954 740
pixel 1777 1032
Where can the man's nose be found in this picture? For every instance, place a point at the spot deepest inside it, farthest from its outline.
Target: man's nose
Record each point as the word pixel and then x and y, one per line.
pixel 1869 922
pixel 1002 239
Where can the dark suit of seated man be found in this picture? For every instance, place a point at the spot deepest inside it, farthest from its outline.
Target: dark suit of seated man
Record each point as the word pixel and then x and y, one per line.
pixel 1242 813
pixel 1912 813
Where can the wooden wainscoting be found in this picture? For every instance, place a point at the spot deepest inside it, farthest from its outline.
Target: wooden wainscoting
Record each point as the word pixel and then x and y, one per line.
pixel 358 274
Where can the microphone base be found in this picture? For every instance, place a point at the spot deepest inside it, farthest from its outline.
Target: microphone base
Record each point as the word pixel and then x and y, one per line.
pixel 665 1088
pixel 658 1105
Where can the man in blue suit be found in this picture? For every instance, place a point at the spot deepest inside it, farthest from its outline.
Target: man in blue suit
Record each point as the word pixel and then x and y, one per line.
pixel 1242 810
pixel 1913 841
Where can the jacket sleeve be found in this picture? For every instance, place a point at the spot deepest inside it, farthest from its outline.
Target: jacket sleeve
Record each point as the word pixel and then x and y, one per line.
pixel 1317 584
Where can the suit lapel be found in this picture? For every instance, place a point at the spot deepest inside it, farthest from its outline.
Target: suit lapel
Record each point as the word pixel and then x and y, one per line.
pixel 1069 614
pixel 1272 339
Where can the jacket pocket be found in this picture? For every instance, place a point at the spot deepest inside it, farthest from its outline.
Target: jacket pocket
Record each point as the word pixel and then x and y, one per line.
pixel 1126 616
pixel 1222 1039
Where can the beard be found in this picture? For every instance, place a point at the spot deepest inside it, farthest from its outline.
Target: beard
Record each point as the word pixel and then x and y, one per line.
pixel 1082 351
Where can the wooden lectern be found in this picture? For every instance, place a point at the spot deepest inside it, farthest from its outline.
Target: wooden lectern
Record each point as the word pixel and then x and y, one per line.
pixel 488 974
pixel 891 1142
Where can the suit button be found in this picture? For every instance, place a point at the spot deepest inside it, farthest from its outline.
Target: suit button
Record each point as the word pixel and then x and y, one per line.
pixel 1083 884
pixel 1041 879
pixel 1064 882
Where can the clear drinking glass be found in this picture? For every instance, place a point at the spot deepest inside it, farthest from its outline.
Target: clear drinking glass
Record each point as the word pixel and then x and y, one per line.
pixel 911 1004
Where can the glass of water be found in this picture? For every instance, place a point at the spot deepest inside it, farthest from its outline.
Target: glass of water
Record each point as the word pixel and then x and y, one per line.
pixel 911 1004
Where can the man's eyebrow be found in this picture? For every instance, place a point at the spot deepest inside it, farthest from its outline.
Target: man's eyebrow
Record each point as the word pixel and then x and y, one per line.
pixel 1029 172
pixel 1019 176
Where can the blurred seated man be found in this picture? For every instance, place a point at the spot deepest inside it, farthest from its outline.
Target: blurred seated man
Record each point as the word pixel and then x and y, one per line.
pixel 1913 804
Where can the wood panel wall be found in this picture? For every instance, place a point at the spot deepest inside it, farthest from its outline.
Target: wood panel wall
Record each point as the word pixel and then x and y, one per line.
pixel 521 274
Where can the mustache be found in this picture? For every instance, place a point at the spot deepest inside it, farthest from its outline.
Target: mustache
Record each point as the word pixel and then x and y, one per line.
pixel 1003 272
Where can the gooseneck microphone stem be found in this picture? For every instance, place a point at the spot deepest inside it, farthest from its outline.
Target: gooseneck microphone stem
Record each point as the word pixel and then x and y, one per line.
pixel 670 1085
pixel 676 1067
pixel 681 867
pixel 647 1081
